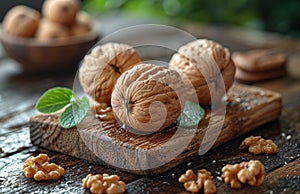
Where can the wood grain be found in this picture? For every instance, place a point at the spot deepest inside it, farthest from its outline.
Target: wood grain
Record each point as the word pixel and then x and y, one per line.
pixel 106 142
pixel 12 179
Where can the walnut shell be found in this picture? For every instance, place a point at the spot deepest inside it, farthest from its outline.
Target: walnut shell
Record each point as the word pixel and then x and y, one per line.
pixel 148 97
pixel 102 67
pixel 51 31
pixel 61 11
pixel 196 60
pixel 82 25
pixel 21 21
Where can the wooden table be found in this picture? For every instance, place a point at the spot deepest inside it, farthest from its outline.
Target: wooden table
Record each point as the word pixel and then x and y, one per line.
pixel 19 92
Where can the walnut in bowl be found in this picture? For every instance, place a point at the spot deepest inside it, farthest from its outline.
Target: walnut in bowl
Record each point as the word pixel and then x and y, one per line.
pixel 37 56
pixel 56 41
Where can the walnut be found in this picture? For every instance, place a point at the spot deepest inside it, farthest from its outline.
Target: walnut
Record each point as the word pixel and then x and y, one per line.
pixel 21 21
pixel 196 61
pixel 148 97
pixel 252 172
pixel 230 175
pixel 40 169
pixel 82 25
pixel 103 66
pixel 258 145
pixel 104 112
pixel 61 11
pixel 195 183
pixel 51 31
pixel 105 183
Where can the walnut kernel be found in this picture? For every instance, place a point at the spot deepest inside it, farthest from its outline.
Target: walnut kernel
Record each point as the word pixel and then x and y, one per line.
pixel 258 145
pixel 252 173
pixel 105 183
pixel 230 175
pixel 194 183
pixel 104 112
pixel 40 169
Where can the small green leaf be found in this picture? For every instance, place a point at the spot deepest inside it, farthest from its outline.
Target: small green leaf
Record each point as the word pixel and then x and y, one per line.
pixel 191 115
pixel 66 118
pixel 54 99
pixel 74 113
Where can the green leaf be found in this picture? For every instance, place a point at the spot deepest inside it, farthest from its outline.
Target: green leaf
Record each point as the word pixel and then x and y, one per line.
pixel 74 113
pixel 66 118
pixel 191 115
pixel 54 99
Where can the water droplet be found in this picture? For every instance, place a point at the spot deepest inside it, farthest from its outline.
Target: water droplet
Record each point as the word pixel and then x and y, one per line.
pixel 225 98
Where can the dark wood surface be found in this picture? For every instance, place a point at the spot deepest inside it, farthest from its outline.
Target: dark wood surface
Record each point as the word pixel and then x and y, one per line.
pixel 105 142
pixel 19 92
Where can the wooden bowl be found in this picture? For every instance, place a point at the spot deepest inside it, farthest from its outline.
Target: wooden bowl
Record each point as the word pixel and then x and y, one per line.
pixel 37 56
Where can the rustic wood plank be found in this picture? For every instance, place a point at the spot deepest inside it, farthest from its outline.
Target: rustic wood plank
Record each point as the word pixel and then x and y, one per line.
pixel 13 180
pixel 19 92
pixel 12 143
pixel 287 86
pixel 167 183
pixel 16 121
pixel 247 108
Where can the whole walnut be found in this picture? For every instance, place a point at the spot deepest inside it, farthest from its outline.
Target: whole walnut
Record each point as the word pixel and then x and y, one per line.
pixel 61 11
pixel 102 67
pixel 51 31
pixel 205 64
pixel 21 21
pixel 148 98
pixel 82 25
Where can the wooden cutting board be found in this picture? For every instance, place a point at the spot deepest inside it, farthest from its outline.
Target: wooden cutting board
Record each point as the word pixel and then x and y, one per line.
pixel 107 143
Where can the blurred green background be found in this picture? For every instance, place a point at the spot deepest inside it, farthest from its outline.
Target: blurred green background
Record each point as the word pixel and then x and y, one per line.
pixel 280 16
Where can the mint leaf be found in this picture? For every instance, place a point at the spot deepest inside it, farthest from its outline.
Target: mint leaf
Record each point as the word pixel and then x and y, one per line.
pixel 81 110
pixel 74 113
pixel 191 115
pixel 54 99
pixel 66 118
pixel 57 98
